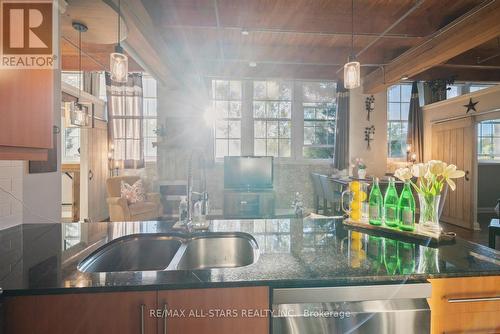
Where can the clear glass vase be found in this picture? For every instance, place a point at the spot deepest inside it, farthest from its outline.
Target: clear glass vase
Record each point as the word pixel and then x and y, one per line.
pixel 429 212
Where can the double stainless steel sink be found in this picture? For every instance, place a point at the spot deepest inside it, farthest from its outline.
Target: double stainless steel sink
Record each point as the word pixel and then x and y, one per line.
pixel 173 251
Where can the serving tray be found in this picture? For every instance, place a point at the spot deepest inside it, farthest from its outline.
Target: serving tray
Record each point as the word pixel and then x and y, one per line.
pixel 419 235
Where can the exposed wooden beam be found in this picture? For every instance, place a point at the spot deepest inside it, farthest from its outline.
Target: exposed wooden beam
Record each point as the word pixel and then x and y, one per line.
pixel 470 30
pixel 464 74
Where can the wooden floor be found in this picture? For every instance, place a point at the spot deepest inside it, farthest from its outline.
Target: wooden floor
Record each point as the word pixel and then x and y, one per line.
pixel 480 237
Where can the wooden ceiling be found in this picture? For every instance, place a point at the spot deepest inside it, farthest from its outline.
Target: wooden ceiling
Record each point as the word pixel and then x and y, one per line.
pixel 308 39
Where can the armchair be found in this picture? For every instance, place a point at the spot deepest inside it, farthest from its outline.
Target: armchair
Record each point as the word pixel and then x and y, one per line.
pixel 120 210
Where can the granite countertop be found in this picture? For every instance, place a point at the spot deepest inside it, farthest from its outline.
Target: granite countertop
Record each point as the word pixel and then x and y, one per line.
pixel 43 258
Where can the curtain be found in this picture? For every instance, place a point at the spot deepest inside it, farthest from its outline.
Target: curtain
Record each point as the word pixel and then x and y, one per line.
pixel 415 125
pixel 341 154
pixel 125 119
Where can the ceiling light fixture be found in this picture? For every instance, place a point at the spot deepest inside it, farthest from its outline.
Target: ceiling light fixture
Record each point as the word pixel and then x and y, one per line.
pixel 404 77
pixel 79 114
pixel 252 64
pixel 118 61
pixel 245 32
pixel 352 69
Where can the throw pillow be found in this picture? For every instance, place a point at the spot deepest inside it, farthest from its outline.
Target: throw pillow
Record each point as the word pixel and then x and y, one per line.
pixel 133 193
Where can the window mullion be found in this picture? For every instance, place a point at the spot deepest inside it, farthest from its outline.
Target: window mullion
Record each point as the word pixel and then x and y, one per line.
pixel 297 131
pixel 247 126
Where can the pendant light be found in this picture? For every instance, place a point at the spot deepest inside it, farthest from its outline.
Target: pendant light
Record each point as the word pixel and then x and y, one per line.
pixel 118 61
pixel 352 69
pixel 79 112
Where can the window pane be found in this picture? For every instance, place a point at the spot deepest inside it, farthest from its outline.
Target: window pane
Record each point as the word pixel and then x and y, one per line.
pixel 394 93
pixel 308 135
pixel 234 129
pixel 235 90
pixel 221 109
pixel 394 111
pixel 234 147
pixel 234 110
pixel 496 147
pixel 260 147
pixel 405 110
pixel 285 129
pixel 285 110
pixel 221 148
pixel 273 109
pixel 285 91
pixel 149 86
pixel 309 112
pixel 405 93
pixel 259 90
pixel 259 109
pixel 221 129
pixel 149 127
pixel 486 129
pixel 222 89
pixel 260 129
pixel 272 147
pixel 272 129
pixel 284 147
pixel 149 106
pixel 273 90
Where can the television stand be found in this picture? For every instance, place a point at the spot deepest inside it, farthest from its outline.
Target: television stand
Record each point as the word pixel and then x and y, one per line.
pixel 249 203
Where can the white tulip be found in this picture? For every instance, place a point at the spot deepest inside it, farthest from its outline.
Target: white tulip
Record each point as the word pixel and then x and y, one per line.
pixel 436 167
pixel 452 172
pixel 419 170
pixel 403 174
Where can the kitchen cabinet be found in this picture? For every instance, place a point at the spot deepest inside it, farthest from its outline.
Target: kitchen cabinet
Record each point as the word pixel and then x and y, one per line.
pixel 217 310
pixel 26 108
pixel 470 304
pixel 222 311
pixel 82 313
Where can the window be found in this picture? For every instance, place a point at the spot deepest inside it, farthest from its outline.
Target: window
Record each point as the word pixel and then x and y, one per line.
pixel 475 87
pixel 319 108
pixel 272 114
pixel 226 102
pixel 71 140
pixel 488 140
pixel 398 107
pixel 149 109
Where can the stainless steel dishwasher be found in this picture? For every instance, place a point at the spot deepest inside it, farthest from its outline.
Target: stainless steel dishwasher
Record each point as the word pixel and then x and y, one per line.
pixel 371 309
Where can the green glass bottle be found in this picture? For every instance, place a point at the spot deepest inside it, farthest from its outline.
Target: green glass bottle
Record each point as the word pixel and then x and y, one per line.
pixel 406 209
pixel 376 203
pixel 375 252
pixel 391 256
pixel 391 199
pixel 406 258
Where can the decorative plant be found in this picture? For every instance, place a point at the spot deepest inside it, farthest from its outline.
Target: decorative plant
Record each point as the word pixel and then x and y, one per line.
pixel 358 163
pixel 431 179
pixel 369 134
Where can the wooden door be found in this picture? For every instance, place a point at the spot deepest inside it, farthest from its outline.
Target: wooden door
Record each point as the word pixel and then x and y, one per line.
pixel 453 143
pixel 94 172
pixel 218 310
pixel 83 313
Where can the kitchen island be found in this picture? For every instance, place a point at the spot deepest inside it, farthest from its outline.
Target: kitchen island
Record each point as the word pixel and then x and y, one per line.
pixel 41 260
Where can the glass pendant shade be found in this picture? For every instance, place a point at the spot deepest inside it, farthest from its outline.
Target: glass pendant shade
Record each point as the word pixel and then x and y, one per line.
pixel 119 67
pixel 352 75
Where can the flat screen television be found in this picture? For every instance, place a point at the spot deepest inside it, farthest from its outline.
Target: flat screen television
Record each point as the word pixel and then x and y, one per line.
pixel 248 172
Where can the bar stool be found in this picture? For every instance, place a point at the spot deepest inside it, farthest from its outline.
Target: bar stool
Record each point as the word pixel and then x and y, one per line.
pixel 493 231
pixel 319 195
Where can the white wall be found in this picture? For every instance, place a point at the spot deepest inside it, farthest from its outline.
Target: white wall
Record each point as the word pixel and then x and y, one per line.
pixel 376 157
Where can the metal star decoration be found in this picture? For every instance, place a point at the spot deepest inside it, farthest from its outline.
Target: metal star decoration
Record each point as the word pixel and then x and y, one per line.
pixel 471 106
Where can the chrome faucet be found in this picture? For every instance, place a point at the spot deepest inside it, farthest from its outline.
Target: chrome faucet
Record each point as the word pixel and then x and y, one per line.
pixel 201 201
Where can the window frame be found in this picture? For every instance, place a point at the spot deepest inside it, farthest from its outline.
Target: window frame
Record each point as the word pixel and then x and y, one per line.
pixel 491 158
pixel 398 121
pixel 145 118
pixel 247 122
